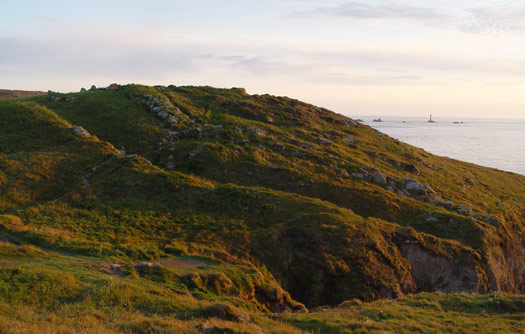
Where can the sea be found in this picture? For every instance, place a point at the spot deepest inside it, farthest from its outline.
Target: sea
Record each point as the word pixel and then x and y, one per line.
pixel 496 143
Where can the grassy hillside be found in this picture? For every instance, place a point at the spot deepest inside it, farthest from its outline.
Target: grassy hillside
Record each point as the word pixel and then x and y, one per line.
pixel 151 209
pixel 6 94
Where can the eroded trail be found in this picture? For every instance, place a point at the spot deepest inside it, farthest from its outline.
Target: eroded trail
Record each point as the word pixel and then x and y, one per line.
pixel 86 176
pixel 180 263
pixel 117 269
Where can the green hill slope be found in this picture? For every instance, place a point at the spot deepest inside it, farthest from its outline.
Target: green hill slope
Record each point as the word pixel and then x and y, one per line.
pixel 260 203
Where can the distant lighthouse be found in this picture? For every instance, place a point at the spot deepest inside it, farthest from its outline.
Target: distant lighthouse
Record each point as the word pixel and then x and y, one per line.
pixel 430 120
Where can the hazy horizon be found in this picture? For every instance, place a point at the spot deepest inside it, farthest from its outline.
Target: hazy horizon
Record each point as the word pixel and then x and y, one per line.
pixel 379 58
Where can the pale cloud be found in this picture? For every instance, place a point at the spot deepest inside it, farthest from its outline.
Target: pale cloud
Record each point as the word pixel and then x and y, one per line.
pixel 386 59
pixel 365 79
pixel 48 20
pixel 147 59
pixel 497 19
pixel 96 57
pixel 359 10
pixel 505 18
pixel 256 64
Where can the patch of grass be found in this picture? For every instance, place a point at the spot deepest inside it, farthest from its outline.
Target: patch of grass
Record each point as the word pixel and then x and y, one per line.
pixel 422 313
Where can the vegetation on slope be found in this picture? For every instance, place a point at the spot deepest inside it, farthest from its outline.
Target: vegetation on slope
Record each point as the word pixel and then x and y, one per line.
pixel 268 200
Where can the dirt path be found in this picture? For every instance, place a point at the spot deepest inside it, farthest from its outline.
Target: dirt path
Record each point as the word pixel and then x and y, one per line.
pixel 85 181
pixel 86 176
pixel 116 269
pixel 180 263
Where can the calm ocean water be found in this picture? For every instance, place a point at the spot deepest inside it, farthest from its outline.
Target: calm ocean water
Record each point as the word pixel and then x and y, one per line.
pixel 497 143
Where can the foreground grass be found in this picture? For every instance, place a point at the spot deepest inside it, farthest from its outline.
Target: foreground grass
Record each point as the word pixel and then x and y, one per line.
pixel 46 292
pixel 422 313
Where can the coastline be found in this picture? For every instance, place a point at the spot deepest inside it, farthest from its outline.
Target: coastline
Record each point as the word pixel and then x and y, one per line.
pixel 493 143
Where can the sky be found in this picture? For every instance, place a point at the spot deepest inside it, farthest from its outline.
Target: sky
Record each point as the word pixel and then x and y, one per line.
pixel 461 58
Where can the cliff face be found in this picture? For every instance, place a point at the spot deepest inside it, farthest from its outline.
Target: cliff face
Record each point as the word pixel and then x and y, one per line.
pixel 438 273
pixel 505 265
pixel 329 207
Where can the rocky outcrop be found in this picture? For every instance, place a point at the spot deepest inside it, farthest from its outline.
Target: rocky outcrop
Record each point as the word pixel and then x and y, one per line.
pixel 491 220
pixel 448 204
pixel 349 140
pixel 463 209
pixel 348 122
pixel 59 97
pixel 414 188
pixel 406 186
pixel 411 168
pixel 256 132
pixel 112 87
pixel 81 132
pixel 379 179
pixel 165 110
